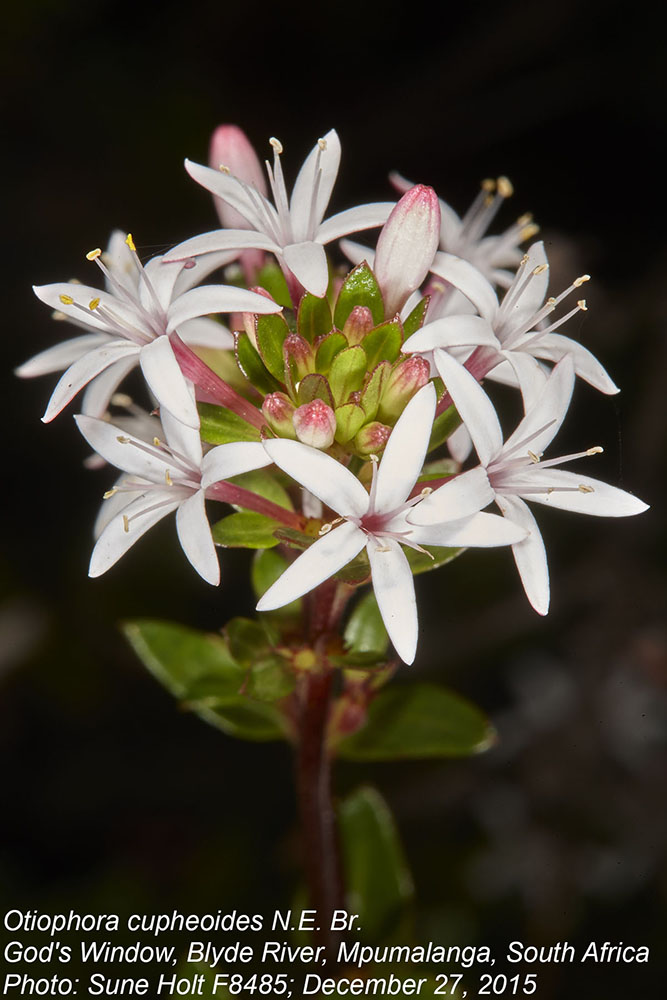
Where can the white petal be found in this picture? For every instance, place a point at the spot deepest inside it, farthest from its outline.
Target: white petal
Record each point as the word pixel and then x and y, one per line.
pixel 530 375
pixel 459 444
pixel 167 382
pixel 452 331
pixel 474 406
pixel 308 263
pixel 183 439
pixel 406 448
pixel 604 501
pixel 305 215
pixel 128 454
pixel 394 589
pixel 554 346
pixel 463 496
pixel 113 505
pixel 194 534
pixel 322 475
pixel 479 531
pixel 162 278
pixel 464 276
pixel 251 204
pixel 204 332
pixel 95 400
pixel 82 296
pixel 60 356
pixel 542 422
pixel 353 220
pixel 357 252
pixel 217 299
pixel 115 541
pixel 229 460
pixel 221 240
pixel 529 555
pixel 524 306
pixel 201 268
pixel 324 558
pixel 85 369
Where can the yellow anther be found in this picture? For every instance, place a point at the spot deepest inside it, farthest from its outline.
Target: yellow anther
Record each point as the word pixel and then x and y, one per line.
pixel 167 478
pixel 551 301
pixel 582 305
pixel 58 315
pixel 121 439
pixel 524 219
pixel 223 168
pixel 581 280
pixel 109 494
pixel 597 450
pixel 585 489
pixel 533 456
pixel 157 442
pixel 528 231
pixel 94 254
pixel 121 399
pixel 488 185
pixel 540 269
pixel 130 243
pixel 505 188
pixel 438 286
pixel 322 143
pixel 276 144
pixel 325 529
pixel 93 304
pixel 66 300
pixel 126 523
pixel 426 491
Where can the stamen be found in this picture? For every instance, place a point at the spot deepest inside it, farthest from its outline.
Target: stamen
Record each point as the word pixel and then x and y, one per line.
pixel 167 478
pixel 580 281
pixel 540 269
pixel 322 143
pixel 505 187
pixel 93 304
pixel 426 491
pixel 223 168
pixel 157 442
pixel 533 457
pixel 130 242
pixel 126 523
pixel 585 489
pixel 488 185
pixel 121 399
pixel 66 300
pixel 121 439
pixel 582 305
pixel 276 144
pixel 94 254
pixel 110 493
pixel 529 231
pixel 325 529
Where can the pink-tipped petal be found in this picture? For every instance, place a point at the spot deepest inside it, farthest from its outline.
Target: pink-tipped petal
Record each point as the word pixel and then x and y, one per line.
pixel 407 245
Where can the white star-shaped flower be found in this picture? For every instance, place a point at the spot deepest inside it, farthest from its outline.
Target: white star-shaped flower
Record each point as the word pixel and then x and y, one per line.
pixel 515 472
pixel 292 228
pixel 377 521
pixel 161 477
pixel 130 324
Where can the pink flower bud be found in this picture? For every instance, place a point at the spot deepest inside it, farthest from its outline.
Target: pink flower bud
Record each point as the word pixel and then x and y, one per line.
pixel 315 424
pixel 230 151
pixel 278 410
pixel 248 320
pixel 372 438
pixel 404 381
pixel 299 355
pixel 357 325
pixel 407 245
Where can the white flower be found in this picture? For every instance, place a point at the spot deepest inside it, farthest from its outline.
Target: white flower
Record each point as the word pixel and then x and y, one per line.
pixel 162 477
pixel 514 469
pixel 516 323
pixel 131 324
pixel 293 229
pixel 377 521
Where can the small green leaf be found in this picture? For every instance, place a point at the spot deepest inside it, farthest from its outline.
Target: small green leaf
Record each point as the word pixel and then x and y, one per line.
pixel 314 387
pixel 443 426
pixel 440 468
pixel 327 349
pixel 422 563
pixel 220 426
pixel 252 365
pixel 419 721
pixel 416 318
pixel 271 332
pixel 347 373
pixel 272 279
pixel 313 317
pixel 270 680
pixel 266 484
pixel 383 343
pixel 350 417
pixel 266 568
pixel 365 631
pixel 248 640
pixel 356 572
pixel 245 719
pixel 360 288
pixel 180 657
pixel 377 877
pixel 372 392
pixel 245 530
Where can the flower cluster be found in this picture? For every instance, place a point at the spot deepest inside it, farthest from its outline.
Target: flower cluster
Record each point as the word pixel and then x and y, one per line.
pixel 335 410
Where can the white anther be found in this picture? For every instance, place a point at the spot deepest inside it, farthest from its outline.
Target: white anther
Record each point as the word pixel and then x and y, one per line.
pixel 322 143
pixel 276 144
pixel 585 489
pixel 533 456
pixel 597 450
pixel 580 281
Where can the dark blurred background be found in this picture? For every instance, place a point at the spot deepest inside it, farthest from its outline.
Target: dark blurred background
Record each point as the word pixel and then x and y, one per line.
pixel 116 798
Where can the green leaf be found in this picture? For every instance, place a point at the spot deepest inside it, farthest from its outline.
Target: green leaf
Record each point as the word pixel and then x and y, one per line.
pixel 365 632
pixel 266 484
pixel 372 392
pixel 272 279
pixel 313 317
pixel 356 572
pixel 245 719
pixel 350 417
pixel 269 680
pixel 314 387
pixel 267 566
pixel 377 877
pixel 443 426
pixel 359 289
pixel 327 349
pixel 416 317
pixel 383 343
pixel 422 563
pixel 271 332
pixel 248 640
pixel 220 426
pixel 253 367
pixel 440 468
pixel 416 722
pixel 347 373
pixel 245 530
pixel 181 657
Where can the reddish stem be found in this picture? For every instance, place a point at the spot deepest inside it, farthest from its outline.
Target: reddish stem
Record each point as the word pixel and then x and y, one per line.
pixel 230 493
pixel 212 385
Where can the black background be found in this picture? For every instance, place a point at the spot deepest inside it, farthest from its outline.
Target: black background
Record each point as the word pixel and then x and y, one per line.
pixel 116 798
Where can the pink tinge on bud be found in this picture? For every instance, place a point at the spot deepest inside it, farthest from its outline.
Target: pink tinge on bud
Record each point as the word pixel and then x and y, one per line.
pixel 372 438
pixel 357 325
pixel 248 320
pixel 407 245
pixel 405 380
pixel 315 424
pixel 230 151
pixel 278 410
pixel 299 354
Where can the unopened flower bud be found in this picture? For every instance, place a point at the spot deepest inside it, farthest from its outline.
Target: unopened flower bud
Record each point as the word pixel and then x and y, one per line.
pixel 299 355
pixel 278 410
pixel 372 438
pixel 231 152
pixel 315 424
pixel 407 245
pixel 357 325
pixel 248 320
pixel 404 381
